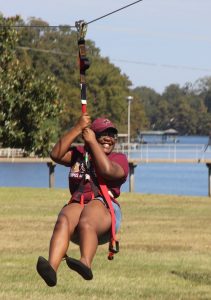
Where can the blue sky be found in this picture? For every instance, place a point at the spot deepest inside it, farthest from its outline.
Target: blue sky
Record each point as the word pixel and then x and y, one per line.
pixel 155 42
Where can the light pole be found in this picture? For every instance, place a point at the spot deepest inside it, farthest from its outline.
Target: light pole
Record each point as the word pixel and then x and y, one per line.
pixel 129 99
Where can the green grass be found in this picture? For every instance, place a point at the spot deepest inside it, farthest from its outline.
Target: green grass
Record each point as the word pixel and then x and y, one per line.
pixel 165 249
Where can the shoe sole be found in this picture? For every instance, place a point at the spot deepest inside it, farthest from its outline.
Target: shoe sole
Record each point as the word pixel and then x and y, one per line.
pixel 80 268
pixel 47 273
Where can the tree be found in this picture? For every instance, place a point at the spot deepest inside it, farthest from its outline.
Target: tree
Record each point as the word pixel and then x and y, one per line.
pixel 139 120
pixel 107 91
pixel 149 100
pixel 28 101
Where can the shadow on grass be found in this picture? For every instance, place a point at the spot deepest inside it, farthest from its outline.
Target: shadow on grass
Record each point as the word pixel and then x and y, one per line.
pixel 198 278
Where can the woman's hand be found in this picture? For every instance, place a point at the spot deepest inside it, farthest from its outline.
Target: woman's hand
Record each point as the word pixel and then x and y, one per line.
pixel 88 135
pixel 61 151
pixel 83 122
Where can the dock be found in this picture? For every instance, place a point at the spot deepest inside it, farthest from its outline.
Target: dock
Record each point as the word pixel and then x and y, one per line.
pixel 136 161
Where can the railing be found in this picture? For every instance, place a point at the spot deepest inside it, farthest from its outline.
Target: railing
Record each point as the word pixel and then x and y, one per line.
pixel 146 152
pixel 171 152
pixel 11 152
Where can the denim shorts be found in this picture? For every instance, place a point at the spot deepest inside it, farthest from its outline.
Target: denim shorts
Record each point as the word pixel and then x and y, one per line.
pixel 117 212
pixel 106 236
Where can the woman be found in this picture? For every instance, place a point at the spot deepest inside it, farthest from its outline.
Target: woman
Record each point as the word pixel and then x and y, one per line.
pixel 86 218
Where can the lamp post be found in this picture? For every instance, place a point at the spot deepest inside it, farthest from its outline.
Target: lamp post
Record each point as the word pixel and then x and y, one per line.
pixel 129 99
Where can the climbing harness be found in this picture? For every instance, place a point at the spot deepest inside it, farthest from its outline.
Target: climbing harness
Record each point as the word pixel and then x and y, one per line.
pixel 84 64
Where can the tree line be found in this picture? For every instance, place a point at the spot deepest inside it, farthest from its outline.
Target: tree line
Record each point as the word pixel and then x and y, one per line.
pixel 40 92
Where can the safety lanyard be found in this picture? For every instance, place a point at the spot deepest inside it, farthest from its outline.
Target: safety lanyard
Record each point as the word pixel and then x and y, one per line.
pixel 81 27
pixel 83 61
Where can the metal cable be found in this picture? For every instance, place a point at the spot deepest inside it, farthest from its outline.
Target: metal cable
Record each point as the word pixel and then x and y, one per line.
pixel 37 26
pixel 70 26
pixel 113 12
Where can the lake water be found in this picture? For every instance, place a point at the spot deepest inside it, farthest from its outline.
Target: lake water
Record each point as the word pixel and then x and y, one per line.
pixel 150 178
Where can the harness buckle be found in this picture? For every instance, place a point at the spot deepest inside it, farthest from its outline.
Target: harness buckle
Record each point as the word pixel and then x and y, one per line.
pixel 113 249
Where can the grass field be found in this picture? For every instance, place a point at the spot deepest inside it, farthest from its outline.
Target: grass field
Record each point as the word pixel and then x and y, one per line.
pixel 165 249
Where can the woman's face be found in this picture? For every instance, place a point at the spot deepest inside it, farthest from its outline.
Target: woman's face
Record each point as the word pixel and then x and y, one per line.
pixel 107 139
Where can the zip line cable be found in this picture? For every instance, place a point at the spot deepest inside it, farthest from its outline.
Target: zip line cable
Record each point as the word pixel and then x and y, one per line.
pixel 71 26
pixel 113 12
pixel 38 26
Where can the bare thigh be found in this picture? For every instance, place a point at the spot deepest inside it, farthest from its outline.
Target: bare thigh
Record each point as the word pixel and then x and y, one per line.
pixel 96 215
pixel 72 213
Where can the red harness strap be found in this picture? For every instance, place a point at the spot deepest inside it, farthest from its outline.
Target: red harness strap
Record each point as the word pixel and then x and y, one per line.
pixel 113 244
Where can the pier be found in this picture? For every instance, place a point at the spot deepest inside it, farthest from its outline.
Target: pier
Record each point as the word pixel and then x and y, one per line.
pixel 134 162
pixel 138 154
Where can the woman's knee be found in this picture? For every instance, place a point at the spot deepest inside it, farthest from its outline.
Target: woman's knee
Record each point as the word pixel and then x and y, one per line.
pixel 62 222
pixel 85 224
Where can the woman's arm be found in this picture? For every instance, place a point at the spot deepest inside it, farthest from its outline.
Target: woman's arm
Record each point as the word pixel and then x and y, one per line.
pixel 106 168
pixel 60 152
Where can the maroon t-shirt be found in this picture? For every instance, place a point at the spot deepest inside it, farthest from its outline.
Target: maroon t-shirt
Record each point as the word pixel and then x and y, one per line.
pixel 78 170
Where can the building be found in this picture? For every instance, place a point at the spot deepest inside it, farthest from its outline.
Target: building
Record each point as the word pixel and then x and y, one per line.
pixel 158 136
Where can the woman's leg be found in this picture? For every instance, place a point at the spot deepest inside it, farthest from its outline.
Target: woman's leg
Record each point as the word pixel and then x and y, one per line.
pixel 67 221
pixel 95 220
